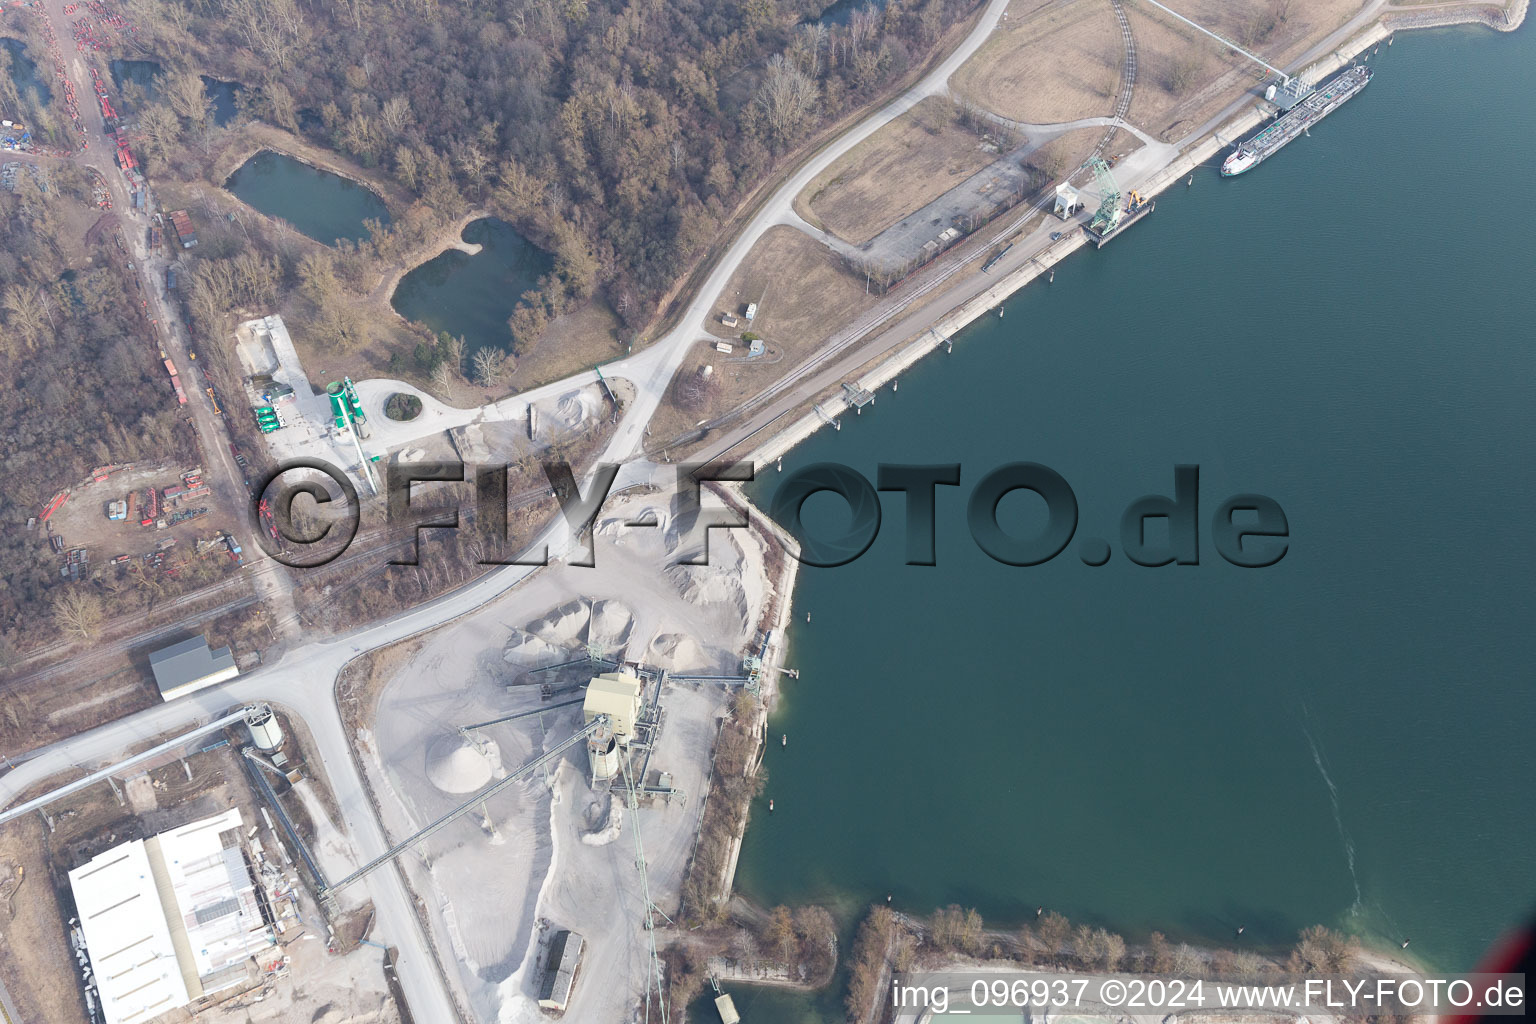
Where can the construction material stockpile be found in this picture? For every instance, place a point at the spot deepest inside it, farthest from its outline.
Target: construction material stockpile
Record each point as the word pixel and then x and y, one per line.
pixel 71 104
pixel 95 35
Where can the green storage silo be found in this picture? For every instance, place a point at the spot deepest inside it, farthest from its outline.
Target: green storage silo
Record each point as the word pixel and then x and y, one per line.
pixel 338 398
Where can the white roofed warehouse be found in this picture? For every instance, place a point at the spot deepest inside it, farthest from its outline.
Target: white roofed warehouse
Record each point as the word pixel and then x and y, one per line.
pixel 137 973
pixel 169 919
pixel 215 899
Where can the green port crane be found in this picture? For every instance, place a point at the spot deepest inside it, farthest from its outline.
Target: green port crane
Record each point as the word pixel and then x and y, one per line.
pixel 1108 217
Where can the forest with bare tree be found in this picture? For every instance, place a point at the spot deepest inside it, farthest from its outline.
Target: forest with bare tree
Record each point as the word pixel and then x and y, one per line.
pixel 620 135
pixel 85 388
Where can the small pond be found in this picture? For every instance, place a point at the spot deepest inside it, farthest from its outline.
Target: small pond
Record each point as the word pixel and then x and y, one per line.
pixel 24 74
pixel 841 12
pixel 474 295
pixel 322 205
pixel 223 95
pixel 142 73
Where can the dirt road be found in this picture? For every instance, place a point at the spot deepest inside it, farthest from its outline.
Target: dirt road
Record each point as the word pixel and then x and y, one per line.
pixel 221 473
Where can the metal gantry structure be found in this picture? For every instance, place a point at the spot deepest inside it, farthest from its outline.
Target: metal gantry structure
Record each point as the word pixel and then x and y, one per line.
pixel 106 773
pixel 632 800
pixel 655 977
pixel 1292 88
pixel 541 709
pixel 1285 78
pixel 585 659
pixel 1108 216
pixel 346 407
pixel 254 764
pixel 651 910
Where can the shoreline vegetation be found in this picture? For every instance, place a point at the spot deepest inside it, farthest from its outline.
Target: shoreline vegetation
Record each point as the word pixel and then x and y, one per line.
pixel 798 949
pixel 955 939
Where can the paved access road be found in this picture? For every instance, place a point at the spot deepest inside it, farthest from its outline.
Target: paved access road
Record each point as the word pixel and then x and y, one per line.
pixel 304 683
pixel 220 472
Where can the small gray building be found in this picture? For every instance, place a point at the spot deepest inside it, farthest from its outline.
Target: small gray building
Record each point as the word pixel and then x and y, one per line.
pixel 189 666
pixel 560 968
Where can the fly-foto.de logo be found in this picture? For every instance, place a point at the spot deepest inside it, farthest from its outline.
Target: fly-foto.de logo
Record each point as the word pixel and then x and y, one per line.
pixel 1246 530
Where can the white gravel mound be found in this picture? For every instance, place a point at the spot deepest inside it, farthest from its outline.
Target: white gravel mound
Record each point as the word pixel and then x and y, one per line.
pixel 610 625
pixel 575 406
pixel 630 526
pixel 607 831
pixel 718 589
pixel 568 413
pixel 524 648
pixel 456 765
pixel 565 625
pixel 678 652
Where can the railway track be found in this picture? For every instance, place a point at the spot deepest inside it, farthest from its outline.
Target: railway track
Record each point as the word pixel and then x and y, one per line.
pixel 861 328
pixel 377 545
pixel 1127 78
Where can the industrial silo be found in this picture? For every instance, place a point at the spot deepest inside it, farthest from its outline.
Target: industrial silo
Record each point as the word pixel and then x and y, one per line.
pixel 265 732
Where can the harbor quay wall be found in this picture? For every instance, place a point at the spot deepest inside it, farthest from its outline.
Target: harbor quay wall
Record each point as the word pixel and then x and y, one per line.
pixel 1500 19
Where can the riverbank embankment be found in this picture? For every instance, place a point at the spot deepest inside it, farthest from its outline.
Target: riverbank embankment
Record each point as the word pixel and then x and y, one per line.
pixel 775 628
pixel 1500 19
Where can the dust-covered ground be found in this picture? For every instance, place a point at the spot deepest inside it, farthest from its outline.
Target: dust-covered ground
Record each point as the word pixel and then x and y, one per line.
pixel 913 160
pixel 550 851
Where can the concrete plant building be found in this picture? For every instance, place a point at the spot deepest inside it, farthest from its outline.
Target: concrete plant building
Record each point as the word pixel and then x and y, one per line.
pixel 170 919
pixel 617 695
pixel 190 665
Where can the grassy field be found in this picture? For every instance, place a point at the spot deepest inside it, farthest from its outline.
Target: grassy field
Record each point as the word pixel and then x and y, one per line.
pixel 1187 78
pixel 1060 60
pixel 577 341
pixel 35 958
pixel 902 167
pixel 804 294
pixel 1063 155
pixel 1047 63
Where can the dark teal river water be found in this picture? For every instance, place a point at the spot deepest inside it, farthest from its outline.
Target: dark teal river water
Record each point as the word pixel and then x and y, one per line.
pixel 1341 738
